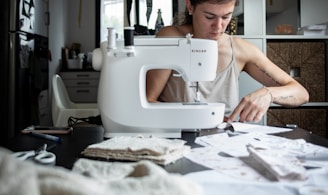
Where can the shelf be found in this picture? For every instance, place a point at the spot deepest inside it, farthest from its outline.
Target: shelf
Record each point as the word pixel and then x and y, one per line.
pixel 282 37
pixel 296 37
pixel 307 105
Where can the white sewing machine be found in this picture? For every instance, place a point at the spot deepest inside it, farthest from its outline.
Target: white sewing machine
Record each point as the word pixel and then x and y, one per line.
pixel 122 101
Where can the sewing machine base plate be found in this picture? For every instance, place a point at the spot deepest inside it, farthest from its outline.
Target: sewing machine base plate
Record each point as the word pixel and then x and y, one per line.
pixel 171 133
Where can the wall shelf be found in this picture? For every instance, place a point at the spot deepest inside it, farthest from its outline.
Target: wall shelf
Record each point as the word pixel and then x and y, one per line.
pixel 307 105
pixel 296 37
pixel 283 37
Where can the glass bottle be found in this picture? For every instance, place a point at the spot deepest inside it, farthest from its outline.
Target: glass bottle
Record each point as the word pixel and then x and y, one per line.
pixel 159 22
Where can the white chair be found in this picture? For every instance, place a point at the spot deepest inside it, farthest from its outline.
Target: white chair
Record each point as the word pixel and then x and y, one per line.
pixel 63 107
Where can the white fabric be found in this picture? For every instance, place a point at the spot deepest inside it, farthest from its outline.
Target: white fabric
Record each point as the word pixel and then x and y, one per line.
pixel 141 177
pixel 24 178
pixel 90 177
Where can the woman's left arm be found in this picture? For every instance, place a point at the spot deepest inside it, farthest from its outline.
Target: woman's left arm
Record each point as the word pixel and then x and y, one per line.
pixel 279 87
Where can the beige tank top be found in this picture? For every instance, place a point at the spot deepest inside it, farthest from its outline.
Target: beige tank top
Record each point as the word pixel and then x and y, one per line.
pixel 224 89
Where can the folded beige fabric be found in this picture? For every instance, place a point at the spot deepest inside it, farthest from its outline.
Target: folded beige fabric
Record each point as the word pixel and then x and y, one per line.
pixel 159 150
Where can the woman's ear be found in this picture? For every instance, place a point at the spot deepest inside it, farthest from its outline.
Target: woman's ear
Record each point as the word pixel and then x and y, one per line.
pixel 189 7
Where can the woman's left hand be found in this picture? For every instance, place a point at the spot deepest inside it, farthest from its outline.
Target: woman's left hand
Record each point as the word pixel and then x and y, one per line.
pixel 252 107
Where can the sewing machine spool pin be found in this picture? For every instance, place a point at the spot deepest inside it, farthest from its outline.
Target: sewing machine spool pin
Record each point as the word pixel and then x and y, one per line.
pixel 112 36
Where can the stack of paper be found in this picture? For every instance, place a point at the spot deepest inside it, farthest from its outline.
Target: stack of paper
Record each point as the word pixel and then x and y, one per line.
pixel 316 30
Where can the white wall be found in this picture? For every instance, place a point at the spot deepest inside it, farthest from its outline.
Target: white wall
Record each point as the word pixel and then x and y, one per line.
pixel 57 34
pixel 81 31
pixel 313 12
pixel 64 29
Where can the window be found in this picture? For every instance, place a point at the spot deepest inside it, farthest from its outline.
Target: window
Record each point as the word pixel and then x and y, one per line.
pixel 166 9
pixel 113 13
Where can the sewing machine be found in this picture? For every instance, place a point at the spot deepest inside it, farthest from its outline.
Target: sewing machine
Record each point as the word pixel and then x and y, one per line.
pixel 122 101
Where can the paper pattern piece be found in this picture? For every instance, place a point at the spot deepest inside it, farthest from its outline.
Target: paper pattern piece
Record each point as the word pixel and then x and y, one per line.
pixel 214 182
pixel 229 155
pixel 233 167
pixel 282 167
pixel 251 128
pixel 159 150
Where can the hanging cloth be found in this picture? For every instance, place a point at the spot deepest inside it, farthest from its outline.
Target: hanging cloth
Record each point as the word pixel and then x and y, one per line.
pixel 128 10
pixel 149 9
pixel 79 14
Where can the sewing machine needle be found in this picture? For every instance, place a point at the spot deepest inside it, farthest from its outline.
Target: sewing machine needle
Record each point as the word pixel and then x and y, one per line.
pixel 197 92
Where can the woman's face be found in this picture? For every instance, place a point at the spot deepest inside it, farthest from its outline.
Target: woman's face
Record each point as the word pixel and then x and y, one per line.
pixel 210 20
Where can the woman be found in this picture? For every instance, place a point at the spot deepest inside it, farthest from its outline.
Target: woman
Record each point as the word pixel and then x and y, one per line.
pixel 208 19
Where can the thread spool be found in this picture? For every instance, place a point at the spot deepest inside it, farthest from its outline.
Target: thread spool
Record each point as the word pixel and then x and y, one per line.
pixel 111 38
pixel 129 36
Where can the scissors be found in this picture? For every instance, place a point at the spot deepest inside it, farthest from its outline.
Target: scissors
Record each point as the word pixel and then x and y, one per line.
pixel 41 155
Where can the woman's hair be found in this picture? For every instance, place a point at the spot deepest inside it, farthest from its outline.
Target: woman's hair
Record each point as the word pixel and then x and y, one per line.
pixel 186 18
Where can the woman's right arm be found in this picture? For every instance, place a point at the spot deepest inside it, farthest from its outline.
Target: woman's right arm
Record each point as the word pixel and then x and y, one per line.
pixel 155 83
pixel 156 79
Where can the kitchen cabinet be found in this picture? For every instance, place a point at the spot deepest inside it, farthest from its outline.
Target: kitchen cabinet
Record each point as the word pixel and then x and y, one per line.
pixel 302 56
pixel 82 86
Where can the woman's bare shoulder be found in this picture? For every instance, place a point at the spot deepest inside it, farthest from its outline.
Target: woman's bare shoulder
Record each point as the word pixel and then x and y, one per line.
pixel 172 31
pixel 245 46
pixel 241 42
pixel 247 52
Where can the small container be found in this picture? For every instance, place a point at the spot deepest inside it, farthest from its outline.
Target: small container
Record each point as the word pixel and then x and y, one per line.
pixel 285 29
pixel 89 57
pixel 112 36
pixel 74 64
pixel 129 37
